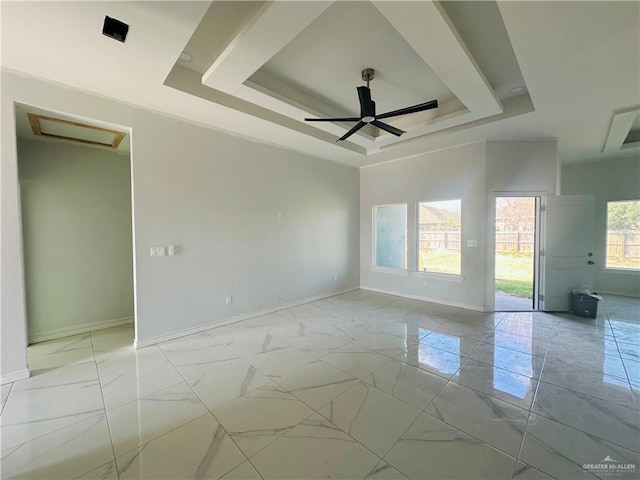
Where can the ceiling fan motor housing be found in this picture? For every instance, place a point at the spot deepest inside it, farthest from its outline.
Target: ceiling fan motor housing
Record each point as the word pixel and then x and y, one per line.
pixel 368 111
pixel 367 106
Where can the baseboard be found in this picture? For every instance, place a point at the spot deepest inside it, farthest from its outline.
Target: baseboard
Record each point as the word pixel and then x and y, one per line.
pixel 618 294
pixel 77 329
pixel 238 318
pixel 424 299
pixel 15 376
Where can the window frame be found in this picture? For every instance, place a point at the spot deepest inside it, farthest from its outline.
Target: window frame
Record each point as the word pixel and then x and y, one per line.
pixel 374 223
pixel 456 277
pixel 617 269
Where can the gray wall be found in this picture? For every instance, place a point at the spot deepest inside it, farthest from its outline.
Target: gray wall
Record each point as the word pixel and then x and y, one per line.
pixel 78 249
pixel 606 180
pixel 216 198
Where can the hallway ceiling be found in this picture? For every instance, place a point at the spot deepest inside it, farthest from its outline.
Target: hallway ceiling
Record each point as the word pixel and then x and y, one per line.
pixel 499 70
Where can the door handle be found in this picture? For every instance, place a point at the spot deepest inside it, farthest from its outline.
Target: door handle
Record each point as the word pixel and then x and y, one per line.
pixel 591 262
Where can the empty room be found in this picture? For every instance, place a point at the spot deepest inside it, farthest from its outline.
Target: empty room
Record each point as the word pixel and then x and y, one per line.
pixel 320 239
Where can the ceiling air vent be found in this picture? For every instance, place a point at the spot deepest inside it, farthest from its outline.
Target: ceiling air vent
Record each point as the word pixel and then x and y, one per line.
pixel 115 29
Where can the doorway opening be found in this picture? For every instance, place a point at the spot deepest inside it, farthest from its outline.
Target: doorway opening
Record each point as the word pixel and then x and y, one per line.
pixel 75 202
pixel 516 253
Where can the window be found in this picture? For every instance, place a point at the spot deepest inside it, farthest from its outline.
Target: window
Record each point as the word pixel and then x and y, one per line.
pixel 390 240
pixel 440 238
pixel 623 234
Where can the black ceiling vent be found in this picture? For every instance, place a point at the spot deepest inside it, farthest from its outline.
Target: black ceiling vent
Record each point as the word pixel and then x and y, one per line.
pixel 115 29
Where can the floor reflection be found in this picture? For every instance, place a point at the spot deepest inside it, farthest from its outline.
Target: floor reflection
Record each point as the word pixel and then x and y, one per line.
pixel 445 361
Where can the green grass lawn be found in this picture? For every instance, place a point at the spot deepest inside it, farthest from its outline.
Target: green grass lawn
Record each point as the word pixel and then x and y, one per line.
pixel 514 274
pixel 514 271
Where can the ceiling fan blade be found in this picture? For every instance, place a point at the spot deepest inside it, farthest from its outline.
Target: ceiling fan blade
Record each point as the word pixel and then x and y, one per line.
pixel 387 128
pixel 350 119
pixel 367 106
pixel 358 126
pixel 416 108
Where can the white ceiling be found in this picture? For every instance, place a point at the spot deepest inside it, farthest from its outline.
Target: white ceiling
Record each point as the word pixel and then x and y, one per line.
pixel 260 68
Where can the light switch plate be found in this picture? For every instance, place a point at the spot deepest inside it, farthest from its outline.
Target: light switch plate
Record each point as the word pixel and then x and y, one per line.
pixel 157 251
pixel 472 243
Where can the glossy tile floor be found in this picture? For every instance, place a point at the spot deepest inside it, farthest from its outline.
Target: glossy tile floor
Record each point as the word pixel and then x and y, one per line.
pixel 356 386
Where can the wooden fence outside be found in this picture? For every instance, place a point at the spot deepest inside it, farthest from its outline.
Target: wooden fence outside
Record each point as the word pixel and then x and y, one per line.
pixel 440 240
pixel 623 244
pixel 520 242
pixel 620 244
pixel 515 242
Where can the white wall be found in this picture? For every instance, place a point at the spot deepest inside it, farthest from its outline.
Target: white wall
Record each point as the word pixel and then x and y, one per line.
pixel 449 174
pixel 216 198
pixel 76 220
pixel 13 326
pixel 515 167
pixel 606 180
pixel 522 166
pixel 475 173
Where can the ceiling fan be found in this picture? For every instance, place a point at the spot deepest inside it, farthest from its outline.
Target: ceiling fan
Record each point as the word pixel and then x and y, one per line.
pixel 368 111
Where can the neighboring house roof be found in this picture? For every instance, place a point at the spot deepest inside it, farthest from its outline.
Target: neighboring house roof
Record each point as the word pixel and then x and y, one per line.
pixel 432 215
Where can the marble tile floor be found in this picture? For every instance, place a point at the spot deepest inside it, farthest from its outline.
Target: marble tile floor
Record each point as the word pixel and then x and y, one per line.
pixel 356 386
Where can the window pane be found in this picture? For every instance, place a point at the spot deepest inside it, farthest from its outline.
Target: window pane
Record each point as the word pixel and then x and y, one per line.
pixel 623 234
pixel 391 236
pixel 440 225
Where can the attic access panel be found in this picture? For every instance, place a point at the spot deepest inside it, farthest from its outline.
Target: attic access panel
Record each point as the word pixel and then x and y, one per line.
pixel 74 131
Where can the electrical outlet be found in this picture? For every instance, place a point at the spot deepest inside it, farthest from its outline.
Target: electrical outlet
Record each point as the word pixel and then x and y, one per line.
pixel 228 300
pixel 171 250
pixel 280 214
pixel 472 243
pixel 335 278
pixel 425 283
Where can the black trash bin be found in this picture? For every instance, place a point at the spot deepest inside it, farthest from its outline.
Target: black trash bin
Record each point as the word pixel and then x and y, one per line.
pixel 584 305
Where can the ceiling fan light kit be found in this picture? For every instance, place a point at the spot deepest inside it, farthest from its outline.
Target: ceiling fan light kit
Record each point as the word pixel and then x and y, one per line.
pixel 368 111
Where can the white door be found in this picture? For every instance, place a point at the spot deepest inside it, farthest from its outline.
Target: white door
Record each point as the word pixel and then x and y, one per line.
pixel 568 249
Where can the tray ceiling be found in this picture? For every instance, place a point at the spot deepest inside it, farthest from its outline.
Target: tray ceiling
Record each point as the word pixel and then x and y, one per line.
pixel 278 57
pixel 501 70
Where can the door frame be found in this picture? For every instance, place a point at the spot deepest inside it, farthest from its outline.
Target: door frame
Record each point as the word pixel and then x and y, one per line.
pixel 490 290
pixel 129 131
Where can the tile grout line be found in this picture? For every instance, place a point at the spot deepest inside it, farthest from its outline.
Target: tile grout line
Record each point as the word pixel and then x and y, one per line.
pixel 615 339
pixel 416 419
pixel 533 400
pixel 211 413
pixel 150 394
pixel 4 404
pixel 104 406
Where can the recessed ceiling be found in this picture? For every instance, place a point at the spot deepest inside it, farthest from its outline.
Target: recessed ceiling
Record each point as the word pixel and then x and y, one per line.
pixel 259 68
pixel 328 67
pixel 280 58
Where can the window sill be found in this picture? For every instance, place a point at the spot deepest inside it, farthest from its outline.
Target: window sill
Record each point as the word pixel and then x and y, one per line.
pixel 445 277
pixel 391 271
pixel 623 271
